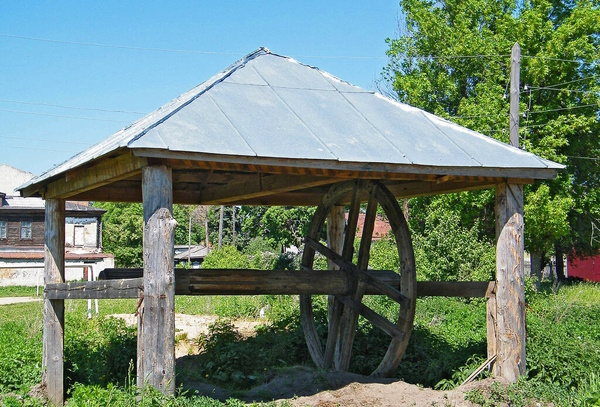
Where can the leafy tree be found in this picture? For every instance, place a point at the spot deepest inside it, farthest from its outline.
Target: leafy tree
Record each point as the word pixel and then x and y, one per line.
pixel 453 60
pixel 227 257
pixel 281 226
pixel 122 232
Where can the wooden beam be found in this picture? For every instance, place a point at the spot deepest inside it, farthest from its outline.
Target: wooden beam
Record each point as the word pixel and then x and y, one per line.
pixel 510 279
pixel 54 310
pixel 158 317
pixel 258 186
pixel 464 289
pixel 106 171
pixel 128 288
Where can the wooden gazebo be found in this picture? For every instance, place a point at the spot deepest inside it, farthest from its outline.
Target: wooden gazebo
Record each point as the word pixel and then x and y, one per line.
pixel 271 131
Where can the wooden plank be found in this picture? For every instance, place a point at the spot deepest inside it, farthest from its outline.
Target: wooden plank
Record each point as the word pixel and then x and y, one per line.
pixel 123 288
pixel 259 186
pixel 106 171
pixel 335 168
pixel 452 288
pixel 510 279
pixel 54 310
pixel 158 322
pixel 238 282
pixel 252 282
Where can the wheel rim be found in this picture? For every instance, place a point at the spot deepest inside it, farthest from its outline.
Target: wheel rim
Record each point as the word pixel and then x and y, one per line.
pixel 343 313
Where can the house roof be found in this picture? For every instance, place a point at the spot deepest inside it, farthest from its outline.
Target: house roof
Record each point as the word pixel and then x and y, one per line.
pixel 33 204
pixel 267 112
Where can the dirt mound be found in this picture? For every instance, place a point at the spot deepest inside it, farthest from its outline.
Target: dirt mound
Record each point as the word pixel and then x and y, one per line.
pixel 302 386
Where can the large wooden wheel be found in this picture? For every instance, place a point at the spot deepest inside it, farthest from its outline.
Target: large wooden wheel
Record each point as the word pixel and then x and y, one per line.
pixel 344 310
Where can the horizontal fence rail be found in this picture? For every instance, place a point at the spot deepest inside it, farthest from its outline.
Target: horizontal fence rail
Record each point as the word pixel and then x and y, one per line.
pixel 128 283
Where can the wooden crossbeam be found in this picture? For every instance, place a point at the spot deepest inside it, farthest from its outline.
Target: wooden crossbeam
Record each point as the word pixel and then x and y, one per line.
pixel 259 186
pixel 125 284
pixel 123 288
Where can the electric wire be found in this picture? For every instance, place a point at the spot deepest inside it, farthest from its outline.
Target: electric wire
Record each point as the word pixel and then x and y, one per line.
pixel 95 109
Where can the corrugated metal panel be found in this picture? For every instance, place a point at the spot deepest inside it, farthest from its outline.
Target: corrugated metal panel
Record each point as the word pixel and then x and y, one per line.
pixel 270 106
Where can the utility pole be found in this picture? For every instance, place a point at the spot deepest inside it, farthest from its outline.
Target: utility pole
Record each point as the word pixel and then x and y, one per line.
pixel 221 226
pixel 515 78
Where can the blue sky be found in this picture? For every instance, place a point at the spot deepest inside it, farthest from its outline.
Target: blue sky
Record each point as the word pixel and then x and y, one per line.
pixel 59 94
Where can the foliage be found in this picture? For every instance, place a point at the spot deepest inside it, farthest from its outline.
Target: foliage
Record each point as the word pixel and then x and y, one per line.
pixel 20 356
pixel 18 291
pixel 452 59
pixel 281 226
pixel 122 232
pixel 229 360
pixel 448 251
pixel 227 257
pixel 89 341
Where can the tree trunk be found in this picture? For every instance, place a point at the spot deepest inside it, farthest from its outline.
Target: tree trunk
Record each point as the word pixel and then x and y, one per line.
pixel 221 227
pixel 560 264
pixel 536 268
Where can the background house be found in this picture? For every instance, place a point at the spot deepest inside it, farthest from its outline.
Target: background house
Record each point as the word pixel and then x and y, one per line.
pixel 22 235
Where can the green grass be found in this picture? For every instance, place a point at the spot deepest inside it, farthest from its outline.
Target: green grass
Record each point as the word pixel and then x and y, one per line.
pixel 19 291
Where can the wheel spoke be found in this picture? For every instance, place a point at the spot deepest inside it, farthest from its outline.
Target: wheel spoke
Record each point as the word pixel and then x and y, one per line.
pixel 367 232
pixel 348 249
pixel 373 317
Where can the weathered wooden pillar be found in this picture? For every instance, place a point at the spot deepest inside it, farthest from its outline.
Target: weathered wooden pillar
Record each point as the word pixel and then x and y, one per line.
pixel 54 310
pixel 156 355
pixel 510 288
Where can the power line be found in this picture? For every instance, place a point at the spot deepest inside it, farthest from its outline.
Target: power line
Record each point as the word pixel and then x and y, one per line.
pixel 22 102
pixel 40 149
pixel 45 140
pixel 533 89
pixel 562 109
pixel 63 116
pixel 584 158
pixel 127 47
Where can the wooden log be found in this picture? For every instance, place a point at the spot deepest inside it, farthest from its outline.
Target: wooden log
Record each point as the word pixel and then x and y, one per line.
pixel 158 321
pixel 101 289
pixel 54 309
pixel 334 282
pixel 510 289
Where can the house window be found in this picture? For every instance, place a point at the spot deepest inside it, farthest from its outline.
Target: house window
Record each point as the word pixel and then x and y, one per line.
pixel 25 230
pixel 79 236
pixel 2 229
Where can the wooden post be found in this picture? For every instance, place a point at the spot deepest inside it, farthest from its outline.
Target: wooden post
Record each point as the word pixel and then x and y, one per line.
pixel 54 310
pixel 510 288
pixel 158 318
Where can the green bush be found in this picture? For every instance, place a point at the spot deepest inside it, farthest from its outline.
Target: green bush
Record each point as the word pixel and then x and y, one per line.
pixel 20 357
pixel 227 257
pixel 448 251
pixel 98 351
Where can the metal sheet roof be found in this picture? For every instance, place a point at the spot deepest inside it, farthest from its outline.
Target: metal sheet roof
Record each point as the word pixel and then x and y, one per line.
pixel 271 106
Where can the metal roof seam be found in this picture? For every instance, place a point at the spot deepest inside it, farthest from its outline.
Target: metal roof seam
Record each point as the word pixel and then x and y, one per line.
pixel 232 125
pixel 298 117
pixel 426 116
pixel 374 127
pixel 211 83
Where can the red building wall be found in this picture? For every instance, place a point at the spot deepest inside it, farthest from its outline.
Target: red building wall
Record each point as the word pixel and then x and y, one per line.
pixel 587 268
